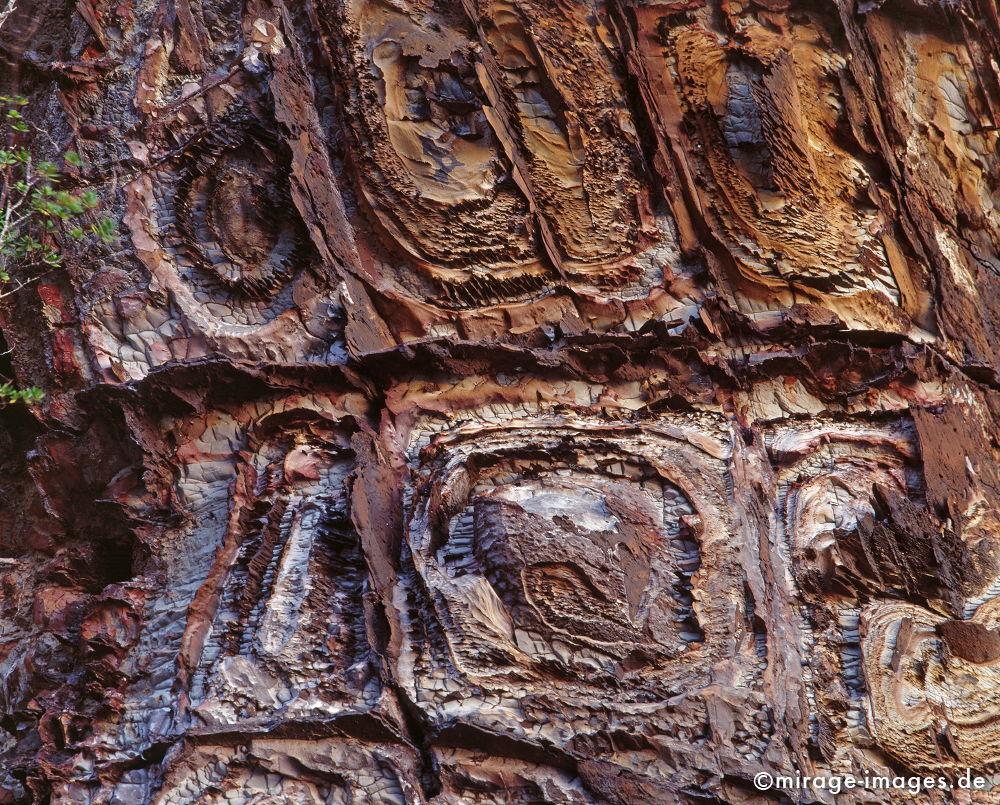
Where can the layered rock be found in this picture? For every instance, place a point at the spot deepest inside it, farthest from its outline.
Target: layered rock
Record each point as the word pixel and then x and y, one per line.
pixel 506 402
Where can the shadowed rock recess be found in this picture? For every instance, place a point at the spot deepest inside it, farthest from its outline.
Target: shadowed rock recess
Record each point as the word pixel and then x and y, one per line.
pixel 507 401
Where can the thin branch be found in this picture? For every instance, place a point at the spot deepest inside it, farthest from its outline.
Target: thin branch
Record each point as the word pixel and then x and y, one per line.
pixel 8 9
pixel 20 284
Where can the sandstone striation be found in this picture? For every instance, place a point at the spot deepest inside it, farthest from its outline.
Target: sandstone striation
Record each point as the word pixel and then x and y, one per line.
pixel 507 401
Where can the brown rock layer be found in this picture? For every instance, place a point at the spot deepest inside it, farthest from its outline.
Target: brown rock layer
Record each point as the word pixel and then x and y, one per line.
pixel 507 402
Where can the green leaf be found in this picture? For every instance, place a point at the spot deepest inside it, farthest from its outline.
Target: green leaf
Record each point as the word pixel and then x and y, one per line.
pixel 73 158
pixel 10 394
pixel 47 170
pixel 105 230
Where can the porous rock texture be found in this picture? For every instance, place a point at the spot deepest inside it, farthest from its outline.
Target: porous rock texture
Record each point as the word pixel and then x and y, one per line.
pixel 507 401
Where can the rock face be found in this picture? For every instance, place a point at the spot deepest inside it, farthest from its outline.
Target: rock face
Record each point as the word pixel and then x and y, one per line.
pixel 507 401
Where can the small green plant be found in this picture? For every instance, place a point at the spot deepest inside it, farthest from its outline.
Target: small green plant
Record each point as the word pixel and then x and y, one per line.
pixel 33 206
pixel 9 393
pixel 35 213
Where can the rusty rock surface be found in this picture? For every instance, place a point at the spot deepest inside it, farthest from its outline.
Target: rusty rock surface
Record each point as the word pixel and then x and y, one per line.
pixel 507 401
